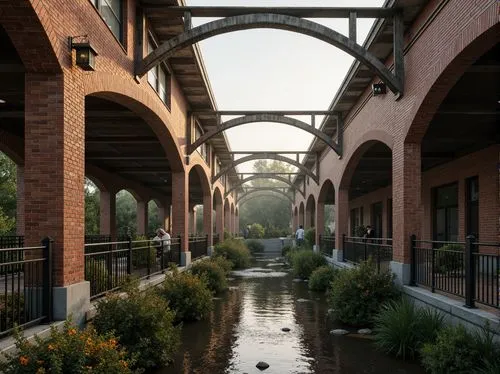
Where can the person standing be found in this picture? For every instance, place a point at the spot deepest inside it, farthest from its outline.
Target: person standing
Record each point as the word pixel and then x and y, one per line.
pixel 299 236
pixel 161 241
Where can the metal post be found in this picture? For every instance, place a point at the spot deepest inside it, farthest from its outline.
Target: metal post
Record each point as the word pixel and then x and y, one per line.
pixel 129 255
pixel 109 267
pixel 48 243
pixel 366 249
pixel 413 264
pixel 470 276
pixel 433 269
pixel 343 247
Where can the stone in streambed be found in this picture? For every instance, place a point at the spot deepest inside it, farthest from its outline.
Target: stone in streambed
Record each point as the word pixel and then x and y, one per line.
pixel 261 365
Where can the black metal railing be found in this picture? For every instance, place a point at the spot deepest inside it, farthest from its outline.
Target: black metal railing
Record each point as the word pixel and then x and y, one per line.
pixel 108 265
pixel 97 239
pixel 358 249
pixel 326 244
pixel 216 239
pixel 25 286
pixel 198 246
pixel 11 241
pixel 469 269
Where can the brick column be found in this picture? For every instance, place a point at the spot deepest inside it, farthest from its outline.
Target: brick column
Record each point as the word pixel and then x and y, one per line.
pixel 341 216
pixel 20 200
pixel 142 217
pixel 107 213
pixel 54 178
pixel 207 219
pixel 180 212
pixel 227 219
pixel 219 220
pixel 407 207
pixel 320 220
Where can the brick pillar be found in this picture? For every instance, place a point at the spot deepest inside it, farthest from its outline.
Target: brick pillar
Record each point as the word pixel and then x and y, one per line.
pixel 20 200
pixel 301 218
pixel 407 207
pixel 180 212
pixel 107 213
pixel 341 215
pixel 320 220
pixel 142 217
pixel 207 218
pixel 193 213
pixel 54 178
pixel 219 220
pixel 227 219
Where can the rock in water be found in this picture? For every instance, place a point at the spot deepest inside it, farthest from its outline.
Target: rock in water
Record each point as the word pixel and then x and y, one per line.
pixel 262 365
pixel 302 300
pixel 339 332
pixel 285 329
pixel 364 331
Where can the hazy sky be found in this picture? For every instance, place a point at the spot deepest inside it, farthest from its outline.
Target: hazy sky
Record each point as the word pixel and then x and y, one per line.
pixel 274 69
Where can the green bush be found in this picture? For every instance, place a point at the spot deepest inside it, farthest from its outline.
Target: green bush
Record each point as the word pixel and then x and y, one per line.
pixel 447 259
pixel 458 351
pixel 321 278
pixel 187 295
pixel 310 236
pixel 360 231
pixel 256 231
pixel 285 250
pixel 11 306
pixel 143 323
pixel 304 262
pixel 358 293
pixel 274 232
pixel 96 272
pixel 254 245
pixel 235 251
pixel 69 351
pixel 143 253
pixel 213 273
pixel 223 263
pixel 402 328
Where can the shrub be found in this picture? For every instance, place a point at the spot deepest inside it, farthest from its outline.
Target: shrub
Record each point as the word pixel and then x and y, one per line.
pixel 457 351
pixel 360 231
pixel 447 259
pixel 11 306
pixel 143 323
pixel 223 263
pixel 256 231
pixel 188 296
pixel 285 250
pixel 310 236
pixel 235 251
pixel 402 328
pixel 321 278
pixel 213 273
pixel 304 262
pixel 143 253
pixel 69 351
pixel 358 293
pixel 96 272
pixel 254 245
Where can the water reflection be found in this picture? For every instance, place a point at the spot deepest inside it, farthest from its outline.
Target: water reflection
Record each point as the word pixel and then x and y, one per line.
pixel 245 328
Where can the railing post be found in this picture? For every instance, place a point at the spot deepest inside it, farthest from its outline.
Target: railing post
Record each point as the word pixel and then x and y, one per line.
pixel 433 269
pixel 109 267
pixel 470 276
pixel 129 255
pixel 378 257
pixel 48 243
pixel 148 256
pixel 365 249
pixel 162 255
pixel 413 264
pixel 343 247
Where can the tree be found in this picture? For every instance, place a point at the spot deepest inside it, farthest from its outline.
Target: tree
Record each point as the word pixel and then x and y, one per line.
pixel 8 199
pixel 92 208
pixel 126 213
pixel 270 210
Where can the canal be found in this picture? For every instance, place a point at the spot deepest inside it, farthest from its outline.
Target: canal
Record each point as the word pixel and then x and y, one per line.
pixel 245 328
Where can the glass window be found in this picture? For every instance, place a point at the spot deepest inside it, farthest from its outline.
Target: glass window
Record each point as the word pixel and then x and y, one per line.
pixel 111 12
pixel 153 73
pixel 162 85
pixel 446 213
pixel 472 201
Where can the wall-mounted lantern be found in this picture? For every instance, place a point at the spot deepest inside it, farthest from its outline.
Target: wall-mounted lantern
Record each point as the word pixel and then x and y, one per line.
pixel 379 89
pixel 85 54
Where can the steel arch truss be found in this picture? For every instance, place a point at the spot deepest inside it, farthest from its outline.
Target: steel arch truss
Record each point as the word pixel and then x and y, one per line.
pixel 266 176
pixel 269 156
pixel 271 18
pixel 277 118
pixel 252 190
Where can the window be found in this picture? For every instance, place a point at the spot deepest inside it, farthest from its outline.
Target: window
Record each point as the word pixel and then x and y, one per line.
pixel 159 78
pixel 472 206
pixel 445 215
pixel 111 12
pixel 376 219
pixel 356 219
pixel 202 149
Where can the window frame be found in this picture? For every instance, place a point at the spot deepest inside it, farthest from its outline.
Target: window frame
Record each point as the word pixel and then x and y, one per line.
pixel 97 4
pixel 166 99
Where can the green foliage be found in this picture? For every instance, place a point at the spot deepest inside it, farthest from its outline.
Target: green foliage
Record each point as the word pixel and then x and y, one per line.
pixel 213 274
pixel 256 231
pixel 310 236
pixel 254 245
pixel 12 305
pixel 227 235
pixel 187 295
pixel 92 208
pixel 143 323
pixel 360 231
pixel 321 278
pixel 126 214
pixel 402 328
pixel 458 351
pixel 358 293
pixel 235 251
pixel 96 272
pixel 8 199
pixel 447 259
pixel 274 232
pixel 223 263
pixel 69 351
pixel 304 262
pixel 285 250
pixel 154 220
pixel 142 252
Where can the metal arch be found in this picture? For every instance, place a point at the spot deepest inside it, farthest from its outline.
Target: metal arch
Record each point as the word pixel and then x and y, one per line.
pixel 241 203
pixel 274 21
pixel 270 156
pixel 266 117
pixel 259 190
pixel 257 176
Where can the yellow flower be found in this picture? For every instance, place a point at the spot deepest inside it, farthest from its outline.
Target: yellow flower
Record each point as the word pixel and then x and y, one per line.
pixel 71 331
pixel 50 347
pixel 40 371
pixel 112 342
pixel 23 360
pixel 124 363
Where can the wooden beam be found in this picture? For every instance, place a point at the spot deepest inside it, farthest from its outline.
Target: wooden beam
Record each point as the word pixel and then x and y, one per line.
pixel 273 112
pixel 121 140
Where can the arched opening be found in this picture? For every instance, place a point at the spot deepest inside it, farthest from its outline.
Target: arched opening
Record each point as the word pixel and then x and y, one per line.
pixel 227 217
pixel 218 215
pixel 126 214
pixel 301 214
pixel 92 211
pixel 325 217
pixel 310 219
pixel 295 219
pixel 156 218
pixel 11 203
pixel 232 220
pixel 200 202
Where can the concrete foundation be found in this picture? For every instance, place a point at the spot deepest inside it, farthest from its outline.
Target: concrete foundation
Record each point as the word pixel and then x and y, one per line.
pixel 73 300
pixel 402 272
pixel 210 251
pixel 185 258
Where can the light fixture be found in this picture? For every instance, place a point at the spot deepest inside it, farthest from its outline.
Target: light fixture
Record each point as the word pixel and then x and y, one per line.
pixel 379 89
pixel 85 54
pixel 2 101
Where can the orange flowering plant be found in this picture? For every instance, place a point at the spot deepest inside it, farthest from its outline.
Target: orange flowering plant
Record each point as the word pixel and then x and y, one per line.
pixel 68 351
